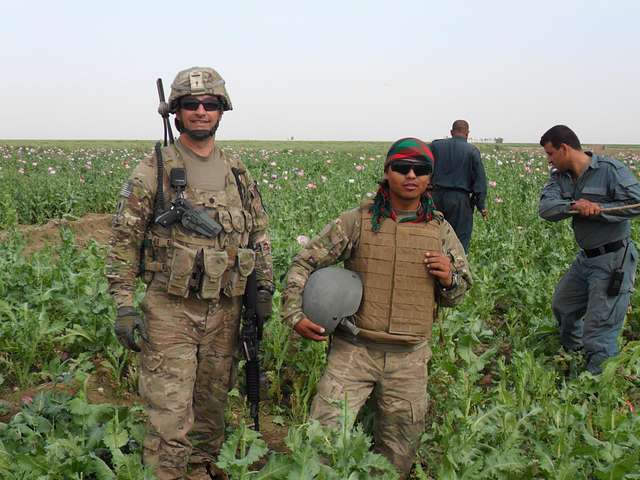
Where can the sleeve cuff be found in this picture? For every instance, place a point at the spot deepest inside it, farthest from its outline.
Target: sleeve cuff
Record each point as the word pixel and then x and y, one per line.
pixel 293 318
pixel 124 301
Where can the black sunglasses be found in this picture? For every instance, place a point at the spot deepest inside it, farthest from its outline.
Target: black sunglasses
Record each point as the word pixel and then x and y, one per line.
pixel 209 104
pixel 418 169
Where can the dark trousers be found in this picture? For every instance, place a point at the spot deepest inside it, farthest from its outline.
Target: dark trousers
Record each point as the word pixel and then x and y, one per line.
pixel 588 317
pixel 458 211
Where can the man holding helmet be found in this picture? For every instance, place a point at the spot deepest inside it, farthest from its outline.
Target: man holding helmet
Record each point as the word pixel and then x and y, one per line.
pixel 408 259
pixel 196 272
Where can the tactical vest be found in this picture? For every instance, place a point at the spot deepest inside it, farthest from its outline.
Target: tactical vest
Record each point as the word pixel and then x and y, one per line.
pixel 190 263
pixel 399 294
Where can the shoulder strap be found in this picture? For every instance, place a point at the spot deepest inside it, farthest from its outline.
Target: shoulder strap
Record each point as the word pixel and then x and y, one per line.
pixel 238 170
pixel 241 190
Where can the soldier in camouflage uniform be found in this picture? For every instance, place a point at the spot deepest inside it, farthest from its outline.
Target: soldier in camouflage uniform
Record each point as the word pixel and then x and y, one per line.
pixel 409 260
pixel 191 309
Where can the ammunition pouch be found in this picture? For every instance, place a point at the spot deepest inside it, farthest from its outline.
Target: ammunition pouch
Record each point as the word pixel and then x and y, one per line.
pixel 182 265
pixel 215 264
pixel 245 263
pixel 206 274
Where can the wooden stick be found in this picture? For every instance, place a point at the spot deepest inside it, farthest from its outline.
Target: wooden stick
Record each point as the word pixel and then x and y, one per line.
pixel 612 209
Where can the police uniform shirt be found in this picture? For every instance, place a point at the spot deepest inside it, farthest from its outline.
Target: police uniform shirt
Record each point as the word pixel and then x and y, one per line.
pixel 458 167
pixel 607 182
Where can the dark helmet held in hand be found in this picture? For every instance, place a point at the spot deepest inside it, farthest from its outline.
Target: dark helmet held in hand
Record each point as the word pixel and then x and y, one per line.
pixel 331 297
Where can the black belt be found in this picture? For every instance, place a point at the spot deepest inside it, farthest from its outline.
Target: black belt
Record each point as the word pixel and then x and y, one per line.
pixel 606 248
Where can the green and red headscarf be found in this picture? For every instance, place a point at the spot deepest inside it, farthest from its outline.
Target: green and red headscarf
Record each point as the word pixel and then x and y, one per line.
pixel 411 150
pixel 408 150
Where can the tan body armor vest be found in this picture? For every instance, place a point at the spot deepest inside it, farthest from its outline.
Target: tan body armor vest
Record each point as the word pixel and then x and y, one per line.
pixel 399 294
pixel 190 263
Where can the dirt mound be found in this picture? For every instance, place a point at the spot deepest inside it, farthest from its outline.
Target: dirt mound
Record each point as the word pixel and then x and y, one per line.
pixel 93 226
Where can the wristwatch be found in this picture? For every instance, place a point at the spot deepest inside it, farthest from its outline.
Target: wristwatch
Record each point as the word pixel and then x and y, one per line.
pixel 455 281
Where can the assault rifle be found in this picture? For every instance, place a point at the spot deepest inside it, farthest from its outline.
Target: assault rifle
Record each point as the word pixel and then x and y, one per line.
pixel 250 336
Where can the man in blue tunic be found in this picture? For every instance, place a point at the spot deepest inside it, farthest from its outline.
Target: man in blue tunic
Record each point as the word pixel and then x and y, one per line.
pixel 591 299
pixel 459 181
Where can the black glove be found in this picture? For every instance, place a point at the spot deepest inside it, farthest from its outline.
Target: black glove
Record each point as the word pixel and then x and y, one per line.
pixel 264 304
pixel 127 322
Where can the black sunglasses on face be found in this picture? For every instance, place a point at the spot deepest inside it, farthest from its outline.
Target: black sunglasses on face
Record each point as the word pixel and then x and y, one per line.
pixel 209 104
pixel 418 169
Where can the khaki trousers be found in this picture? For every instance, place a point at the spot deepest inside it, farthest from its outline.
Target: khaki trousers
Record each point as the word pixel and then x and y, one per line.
pixel 398 382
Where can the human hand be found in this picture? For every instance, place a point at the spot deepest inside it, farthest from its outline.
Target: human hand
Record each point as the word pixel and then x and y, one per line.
pixel 485 213
pixel 310 330
pixel 586 208
pixel 128 322
pixel 439 266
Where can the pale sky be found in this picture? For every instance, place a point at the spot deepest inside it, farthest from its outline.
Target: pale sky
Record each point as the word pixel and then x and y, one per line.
pixel 325 70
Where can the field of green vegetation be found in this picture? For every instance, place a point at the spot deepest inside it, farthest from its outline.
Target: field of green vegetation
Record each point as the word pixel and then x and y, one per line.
pixel 502 401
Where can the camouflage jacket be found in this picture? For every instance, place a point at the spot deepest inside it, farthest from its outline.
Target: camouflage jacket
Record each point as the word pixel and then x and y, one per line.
pixel 336 243
pixel 133 224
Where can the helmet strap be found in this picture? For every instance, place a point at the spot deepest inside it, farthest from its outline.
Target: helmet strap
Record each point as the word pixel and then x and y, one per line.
pixel 197 135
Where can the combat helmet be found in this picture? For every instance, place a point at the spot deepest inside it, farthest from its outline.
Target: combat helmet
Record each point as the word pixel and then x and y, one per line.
pixel 198 81
pixel 331 297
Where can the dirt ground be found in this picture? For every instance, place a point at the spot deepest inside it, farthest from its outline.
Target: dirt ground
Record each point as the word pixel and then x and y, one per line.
pixel 90 227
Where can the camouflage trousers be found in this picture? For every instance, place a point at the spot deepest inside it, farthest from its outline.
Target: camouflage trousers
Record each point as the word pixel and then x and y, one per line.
pixel 186 370
pixel 398 382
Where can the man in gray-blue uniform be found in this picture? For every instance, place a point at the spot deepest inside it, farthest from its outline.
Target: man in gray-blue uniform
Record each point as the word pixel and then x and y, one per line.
pixel 591 299
pixel 459 182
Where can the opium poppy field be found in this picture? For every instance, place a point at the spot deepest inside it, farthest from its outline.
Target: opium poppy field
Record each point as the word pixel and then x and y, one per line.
pixel 505 402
